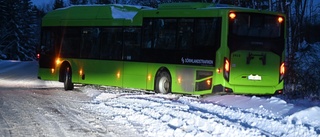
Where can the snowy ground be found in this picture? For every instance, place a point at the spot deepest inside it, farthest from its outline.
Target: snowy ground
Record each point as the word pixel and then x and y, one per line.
pixel 31 107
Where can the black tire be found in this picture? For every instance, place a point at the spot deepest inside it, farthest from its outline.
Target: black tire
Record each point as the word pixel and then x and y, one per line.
pixel 68 85
pixel 163 83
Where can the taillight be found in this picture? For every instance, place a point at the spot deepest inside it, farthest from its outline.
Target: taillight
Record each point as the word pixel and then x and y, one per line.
pixel 282 71
pixel 226 69
pixel 38 56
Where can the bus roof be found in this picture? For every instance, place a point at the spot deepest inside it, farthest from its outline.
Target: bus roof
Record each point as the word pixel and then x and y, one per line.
pixel 122 15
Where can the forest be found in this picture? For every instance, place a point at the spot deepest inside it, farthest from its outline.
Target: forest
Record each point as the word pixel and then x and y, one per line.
pixel 20 34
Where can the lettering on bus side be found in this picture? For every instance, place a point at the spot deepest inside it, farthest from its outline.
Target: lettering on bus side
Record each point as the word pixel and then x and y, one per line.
pixel 196 61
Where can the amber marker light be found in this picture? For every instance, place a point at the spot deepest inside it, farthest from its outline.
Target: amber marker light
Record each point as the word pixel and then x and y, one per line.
pixel 118 74
pixel 80 72
pixel 280 19
pixel 58 61
pixel 52 70
pixel 218 70
pixel 179 80
pixel 149 77
pixel 209 82
pixel 232 15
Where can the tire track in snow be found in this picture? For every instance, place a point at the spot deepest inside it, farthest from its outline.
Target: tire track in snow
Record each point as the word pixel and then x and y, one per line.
pixel 170 116
pixel 205 114
pixel 256 120
pixel 174 115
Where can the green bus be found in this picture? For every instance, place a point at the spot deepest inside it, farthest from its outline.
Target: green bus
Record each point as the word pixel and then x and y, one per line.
pixel 187 48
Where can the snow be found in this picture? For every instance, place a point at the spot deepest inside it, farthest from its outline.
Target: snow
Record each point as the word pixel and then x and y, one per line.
pixel 172 115
pixel 22 74
pixel 122 14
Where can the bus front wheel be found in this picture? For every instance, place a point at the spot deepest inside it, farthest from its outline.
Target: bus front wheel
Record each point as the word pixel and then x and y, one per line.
pixel 68 85
pixel 163 83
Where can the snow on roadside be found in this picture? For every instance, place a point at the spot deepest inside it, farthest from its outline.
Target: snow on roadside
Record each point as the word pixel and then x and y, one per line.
pixel 173 115
pixel 17 73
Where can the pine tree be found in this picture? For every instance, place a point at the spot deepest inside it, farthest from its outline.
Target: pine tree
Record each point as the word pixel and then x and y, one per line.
pixel 103 2
pixel 58 4
pixel 17 38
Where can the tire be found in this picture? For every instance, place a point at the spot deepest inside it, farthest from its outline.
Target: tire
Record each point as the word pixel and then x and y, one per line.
pixel 163 83
pixel 68 85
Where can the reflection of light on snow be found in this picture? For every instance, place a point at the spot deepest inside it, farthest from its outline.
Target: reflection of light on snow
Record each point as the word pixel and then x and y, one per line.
pixel 16 74
pixel 27 83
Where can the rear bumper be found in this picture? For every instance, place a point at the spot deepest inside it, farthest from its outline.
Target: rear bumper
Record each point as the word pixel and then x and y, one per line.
pixel 254 90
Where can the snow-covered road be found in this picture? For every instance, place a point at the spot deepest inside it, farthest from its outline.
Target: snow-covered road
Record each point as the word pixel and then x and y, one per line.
pixel 31 107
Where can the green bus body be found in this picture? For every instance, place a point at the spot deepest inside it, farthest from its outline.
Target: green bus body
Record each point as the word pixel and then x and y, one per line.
pixel 129 46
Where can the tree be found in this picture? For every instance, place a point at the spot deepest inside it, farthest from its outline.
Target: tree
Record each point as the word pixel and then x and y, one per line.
pixel 103 2
pixel 17 38
pixel 58 4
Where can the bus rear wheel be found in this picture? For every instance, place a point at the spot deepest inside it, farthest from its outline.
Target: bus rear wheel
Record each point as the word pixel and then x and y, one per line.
pixel 68 85
pixel 163 83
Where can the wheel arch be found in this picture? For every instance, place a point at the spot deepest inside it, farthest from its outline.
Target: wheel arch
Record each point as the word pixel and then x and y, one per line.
pixel 61 70
pixel 162 69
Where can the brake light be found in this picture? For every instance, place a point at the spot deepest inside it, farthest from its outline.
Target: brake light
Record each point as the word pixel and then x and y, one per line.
pixel 226 69
pixel 282 69
pixel 226 65
pixel 38 56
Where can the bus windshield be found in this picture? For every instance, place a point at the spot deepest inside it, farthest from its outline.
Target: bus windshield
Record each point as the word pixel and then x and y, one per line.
pixel 255 25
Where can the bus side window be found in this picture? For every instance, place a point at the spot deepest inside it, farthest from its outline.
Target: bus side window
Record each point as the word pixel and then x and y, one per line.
pixel 131 43
pixel 147 39
pixel 165 33
pixel 205 33
pixel 71 42
pixel 47 42
pixel 111 43
pixel 89 47
pixel 207 37
pixel 185 33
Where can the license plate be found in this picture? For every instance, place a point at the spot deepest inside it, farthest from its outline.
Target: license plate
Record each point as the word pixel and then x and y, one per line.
pixel 254 77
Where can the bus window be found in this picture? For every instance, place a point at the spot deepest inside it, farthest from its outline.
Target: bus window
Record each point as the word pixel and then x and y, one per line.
pixel 47 42
pixel 207 32
pixel 256 25
pixel 165 33
pixel 111 43
pixel 90 47
pixel 131 41
pixel 206 38
pixel 147 33
pixel 71 42
pixel 254 31
pixel 185 33
pixel 50 46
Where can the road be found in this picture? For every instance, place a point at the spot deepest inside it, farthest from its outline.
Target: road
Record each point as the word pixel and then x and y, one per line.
pixel 31 107
pixel 51 112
